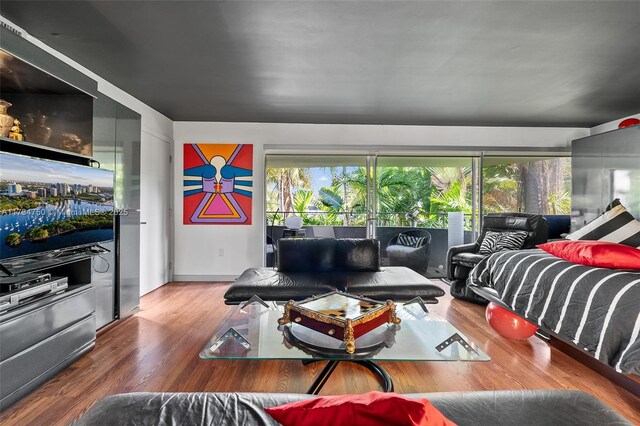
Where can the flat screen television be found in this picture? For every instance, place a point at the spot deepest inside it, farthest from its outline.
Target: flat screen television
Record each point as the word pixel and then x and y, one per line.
pixel 50 206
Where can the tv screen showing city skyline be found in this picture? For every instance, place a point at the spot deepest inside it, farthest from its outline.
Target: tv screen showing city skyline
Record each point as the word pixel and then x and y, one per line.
pixel 49 205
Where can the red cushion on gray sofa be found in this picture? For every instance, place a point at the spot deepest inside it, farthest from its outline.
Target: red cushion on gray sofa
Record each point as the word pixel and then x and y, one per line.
pixel 371 409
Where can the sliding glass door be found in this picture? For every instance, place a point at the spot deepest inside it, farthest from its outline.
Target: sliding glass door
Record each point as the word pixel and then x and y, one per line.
pixel 352 196
pixel 325 191
pixel 426 195
pixel 381 196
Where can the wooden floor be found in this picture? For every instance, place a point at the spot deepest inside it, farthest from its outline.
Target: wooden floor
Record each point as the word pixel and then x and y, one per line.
pixel 157 350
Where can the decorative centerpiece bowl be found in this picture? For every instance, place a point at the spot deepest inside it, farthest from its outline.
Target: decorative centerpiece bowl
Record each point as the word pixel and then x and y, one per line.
pixel 340 315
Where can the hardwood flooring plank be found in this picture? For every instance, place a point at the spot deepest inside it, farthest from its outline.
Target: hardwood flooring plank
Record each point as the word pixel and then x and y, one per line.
pixel 157 350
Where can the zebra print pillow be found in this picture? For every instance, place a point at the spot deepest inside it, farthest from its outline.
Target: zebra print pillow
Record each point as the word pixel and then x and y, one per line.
pixel 410 241
pixel 494 242
pixel 616 225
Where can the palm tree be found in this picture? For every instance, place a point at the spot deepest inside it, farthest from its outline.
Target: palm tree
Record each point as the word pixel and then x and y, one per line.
pixel 450 192
pixel 500 188
pixel 285 181
pixel 400 190
pixel 301 199
pixel 332 205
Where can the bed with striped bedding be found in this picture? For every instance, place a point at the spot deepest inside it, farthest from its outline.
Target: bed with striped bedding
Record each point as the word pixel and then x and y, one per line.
pixel 596 309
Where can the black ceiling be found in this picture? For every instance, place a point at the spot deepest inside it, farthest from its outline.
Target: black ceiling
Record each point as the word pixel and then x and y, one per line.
pixel 513 63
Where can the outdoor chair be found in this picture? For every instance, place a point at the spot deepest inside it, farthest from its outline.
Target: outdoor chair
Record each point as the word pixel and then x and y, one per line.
pixel 411 249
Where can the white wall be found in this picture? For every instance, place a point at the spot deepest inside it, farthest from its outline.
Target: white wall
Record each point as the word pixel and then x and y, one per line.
pixel 196 247
pixel 155 205
pixel 611 125
pixel 157 141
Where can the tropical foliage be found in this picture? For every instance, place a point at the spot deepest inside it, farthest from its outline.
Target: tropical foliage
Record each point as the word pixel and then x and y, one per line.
pixel 539 186
pixel 417 196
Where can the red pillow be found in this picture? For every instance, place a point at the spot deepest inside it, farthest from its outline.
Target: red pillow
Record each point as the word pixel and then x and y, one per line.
pixel 370 409
pixel 595 253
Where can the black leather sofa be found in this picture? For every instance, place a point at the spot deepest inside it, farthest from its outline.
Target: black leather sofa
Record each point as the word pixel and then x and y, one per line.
pixel 463 258
pixel 495 408
pixel 312 266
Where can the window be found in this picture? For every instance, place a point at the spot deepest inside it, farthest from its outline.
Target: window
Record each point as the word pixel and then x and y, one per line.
pixel 539 185
pixel 323 190
pixel 420 191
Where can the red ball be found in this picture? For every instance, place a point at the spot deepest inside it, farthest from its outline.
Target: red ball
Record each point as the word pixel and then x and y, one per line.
pixel 629 122
pixel 507 324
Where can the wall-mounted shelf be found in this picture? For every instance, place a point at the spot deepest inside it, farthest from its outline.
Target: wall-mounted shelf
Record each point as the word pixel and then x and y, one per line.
pixel 52 113
pixel 40 151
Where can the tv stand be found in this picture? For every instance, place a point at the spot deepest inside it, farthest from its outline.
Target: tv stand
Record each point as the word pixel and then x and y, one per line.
pixel 44 263
pixel 45 334
pixel 6 272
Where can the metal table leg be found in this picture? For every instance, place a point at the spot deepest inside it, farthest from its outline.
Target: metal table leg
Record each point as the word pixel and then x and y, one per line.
pixel 321 379
pixel 379 372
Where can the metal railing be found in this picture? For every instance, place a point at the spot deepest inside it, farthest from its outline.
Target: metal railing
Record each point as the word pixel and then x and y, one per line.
pixel 434 220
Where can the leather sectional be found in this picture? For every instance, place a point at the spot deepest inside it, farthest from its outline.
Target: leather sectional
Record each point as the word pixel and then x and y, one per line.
pixel 312 266
pixel 495 408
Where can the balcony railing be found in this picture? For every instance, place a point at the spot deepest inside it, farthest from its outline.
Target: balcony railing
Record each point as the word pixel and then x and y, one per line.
pixel 431 220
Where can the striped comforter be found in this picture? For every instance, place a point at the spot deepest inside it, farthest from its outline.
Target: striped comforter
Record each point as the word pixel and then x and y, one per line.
pixel 597 309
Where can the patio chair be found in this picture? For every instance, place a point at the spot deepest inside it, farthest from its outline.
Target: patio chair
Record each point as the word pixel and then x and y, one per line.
pixel 411 249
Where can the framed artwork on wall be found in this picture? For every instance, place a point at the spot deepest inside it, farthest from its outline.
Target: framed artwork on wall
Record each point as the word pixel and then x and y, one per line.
pixel 218 184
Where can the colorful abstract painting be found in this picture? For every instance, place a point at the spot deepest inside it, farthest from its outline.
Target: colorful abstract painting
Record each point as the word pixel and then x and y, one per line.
pixel 218 183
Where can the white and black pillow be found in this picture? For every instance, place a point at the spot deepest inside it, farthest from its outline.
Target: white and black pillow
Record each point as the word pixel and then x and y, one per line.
pixel 494 242
pixel 614 203
pixel 615 225
pixel 411 241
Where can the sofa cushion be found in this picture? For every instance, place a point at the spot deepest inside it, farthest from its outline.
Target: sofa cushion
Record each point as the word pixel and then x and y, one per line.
pixel 494 242
pixel 600 254
pixel 306 254
pixel 371 409
pixel 616 225
pixel 270 284
pixel 357 255
pixel 397 283
pixel 400 250
pixel 411 241
pixel 535 225
pixel 496 408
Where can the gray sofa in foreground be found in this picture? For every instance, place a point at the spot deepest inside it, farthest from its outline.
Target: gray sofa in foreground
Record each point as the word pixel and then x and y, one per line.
pixel 521 408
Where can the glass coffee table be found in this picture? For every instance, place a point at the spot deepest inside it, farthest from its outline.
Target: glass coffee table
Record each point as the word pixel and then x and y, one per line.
pixel 252 332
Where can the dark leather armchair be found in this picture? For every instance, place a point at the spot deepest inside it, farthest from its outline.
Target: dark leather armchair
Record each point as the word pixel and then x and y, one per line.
pixel 462 259
pixel 416 258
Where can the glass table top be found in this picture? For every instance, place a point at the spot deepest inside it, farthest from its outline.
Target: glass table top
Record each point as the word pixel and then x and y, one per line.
pixel 252 332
